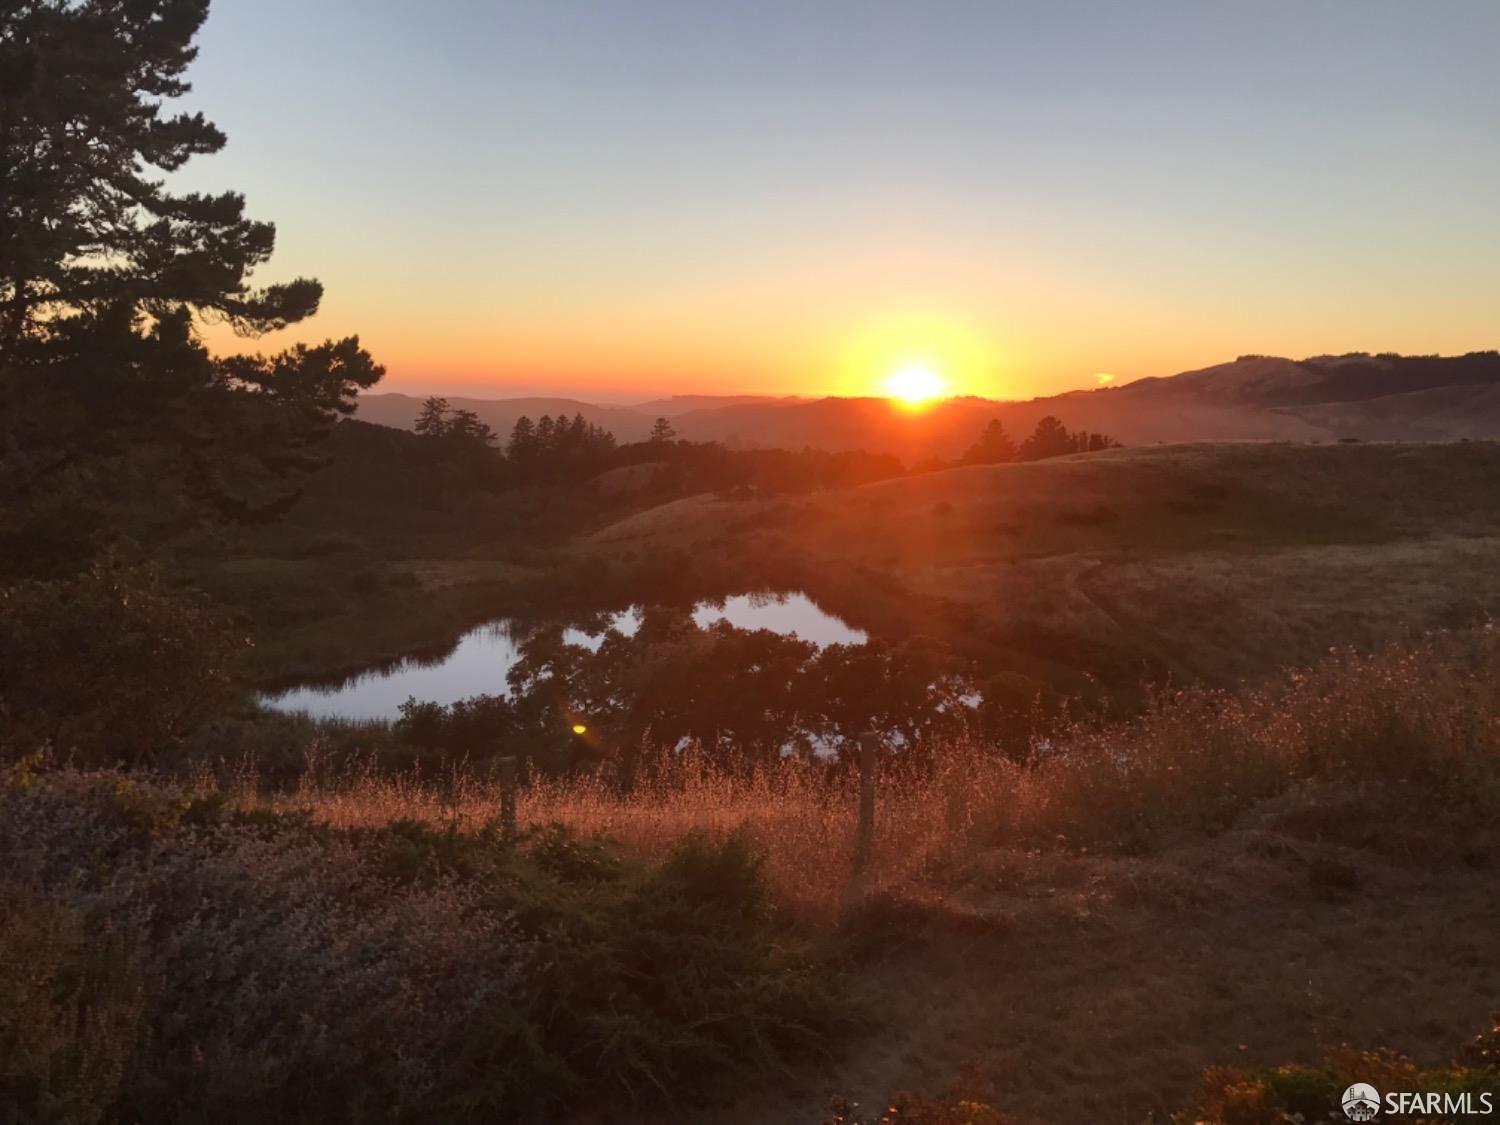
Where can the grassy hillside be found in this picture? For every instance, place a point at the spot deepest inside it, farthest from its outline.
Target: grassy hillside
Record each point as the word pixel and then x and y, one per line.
pixel 1442 413
pixel 1207 562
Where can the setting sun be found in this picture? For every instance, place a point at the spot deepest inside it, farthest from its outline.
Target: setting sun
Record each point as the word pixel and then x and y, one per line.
pixel 915 384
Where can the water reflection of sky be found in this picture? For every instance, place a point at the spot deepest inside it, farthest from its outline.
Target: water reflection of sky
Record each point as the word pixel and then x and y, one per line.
pixel 788 614
pixel 482 657
pixel 476 666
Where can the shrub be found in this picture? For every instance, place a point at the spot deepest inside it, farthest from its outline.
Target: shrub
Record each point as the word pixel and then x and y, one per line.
pixel 1277 1095
pixel 1484 1049
pixel 71 1004
pixel 113 665
pixel 667 984
pixel 407 973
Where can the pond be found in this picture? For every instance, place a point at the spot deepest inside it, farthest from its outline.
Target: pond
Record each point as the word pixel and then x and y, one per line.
pixel 478 663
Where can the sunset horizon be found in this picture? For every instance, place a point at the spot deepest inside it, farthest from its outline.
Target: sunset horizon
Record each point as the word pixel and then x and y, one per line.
pixel 644 392
pixel 698 200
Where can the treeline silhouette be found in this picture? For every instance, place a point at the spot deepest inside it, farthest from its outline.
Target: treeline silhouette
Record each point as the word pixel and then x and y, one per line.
pixel 1050 439
pixel 558 448
pixel 562 450
pixel 549 449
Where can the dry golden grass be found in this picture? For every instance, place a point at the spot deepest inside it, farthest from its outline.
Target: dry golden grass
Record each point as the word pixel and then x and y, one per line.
pixel 802 815
pixel 1196 762
pixel 1231 614
pixel 1161 496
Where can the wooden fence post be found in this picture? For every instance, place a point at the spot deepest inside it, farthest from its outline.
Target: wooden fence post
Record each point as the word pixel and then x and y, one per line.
pixel 864 840
pixel 508 796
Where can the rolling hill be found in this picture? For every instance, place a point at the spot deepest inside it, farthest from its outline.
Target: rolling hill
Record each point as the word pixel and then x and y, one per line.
pixel 677 405
pixel 1200 563
pixel 1253 398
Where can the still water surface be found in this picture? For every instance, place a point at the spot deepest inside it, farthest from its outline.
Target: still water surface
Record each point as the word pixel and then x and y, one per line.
pixel 479 662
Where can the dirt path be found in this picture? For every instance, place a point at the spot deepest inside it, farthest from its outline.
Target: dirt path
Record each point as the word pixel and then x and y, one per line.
pixel 1104 986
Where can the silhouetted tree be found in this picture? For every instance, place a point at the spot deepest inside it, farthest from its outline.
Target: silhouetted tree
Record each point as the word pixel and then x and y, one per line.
pixel 103 273
pixel 556 449
pixel 84 224
pixel 522 449
pixel 747 695
pixel 1052 439
pixel 433 419
pixel 1049 439
pixel 325 378
pixel 114 417
pixel 994 447
pixel 1086 442
pixel 662 432
pixel 469 730
pixel 459 454
pixel 465 427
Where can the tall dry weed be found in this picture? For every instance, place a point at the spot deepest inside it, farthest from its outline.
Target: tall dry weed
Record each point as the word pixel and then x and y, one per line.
pixel 1421 715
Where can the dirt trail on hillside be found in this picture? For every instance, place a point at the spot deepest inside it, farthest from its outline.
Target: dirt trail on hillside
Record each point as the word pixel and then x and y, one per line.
pixel 1096 989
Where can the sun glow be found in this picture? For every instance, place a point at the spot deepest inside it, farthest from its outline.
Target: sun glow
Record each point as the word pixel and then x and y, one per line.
pixel 915 384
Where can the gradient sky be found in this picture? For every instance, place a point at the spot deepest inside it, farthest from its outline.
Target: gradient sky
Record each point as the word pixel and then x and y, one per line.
pixel 796 197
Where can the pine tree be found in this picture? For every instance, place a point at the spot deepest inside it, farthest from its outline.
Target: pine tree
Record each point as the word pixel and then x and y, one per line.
pixel 104 278
pixel 521 449
pixel 433 420
pixel 1050 439
pixel 662 432
pixel 465 427
pixel 85 220
pixel 994 447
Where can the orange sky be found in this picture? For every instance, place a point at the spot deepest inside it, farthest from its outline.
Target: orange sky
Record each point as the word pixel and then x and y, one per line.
pixel 831 335
pixel 801 198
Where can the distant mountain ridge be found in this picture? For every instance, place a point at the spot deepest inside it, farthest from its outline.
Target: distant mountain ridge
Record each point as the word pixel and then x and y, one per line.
pixel 682 404
pixel 1253 398
pixel 1273 381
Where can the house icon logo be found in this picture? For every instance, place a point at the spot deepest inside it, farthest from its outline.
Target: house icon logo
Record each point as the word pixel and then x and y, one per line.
pixel 1361 1102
